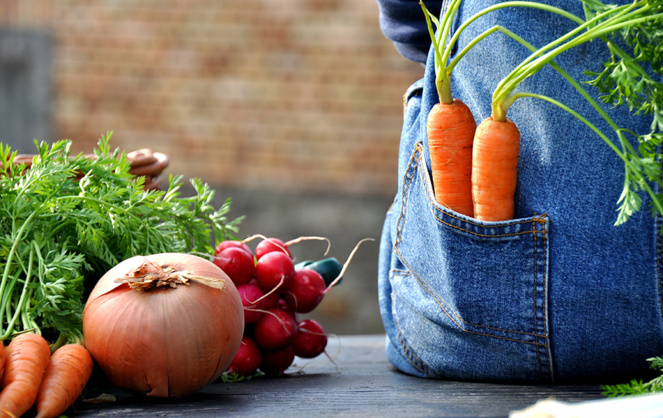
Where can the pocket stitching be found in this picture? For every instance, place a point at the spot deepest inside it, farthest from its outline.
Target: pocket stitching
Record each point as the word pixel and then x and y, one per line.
pixel 455 317
pixel 545 335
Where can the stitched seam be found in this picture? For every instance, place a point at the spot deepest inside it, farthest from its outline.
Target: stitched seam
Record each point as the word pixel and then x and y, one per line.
pixel 546 243
pixel 405 186
pixel 409 355
pixel 535 242
pixel 414 361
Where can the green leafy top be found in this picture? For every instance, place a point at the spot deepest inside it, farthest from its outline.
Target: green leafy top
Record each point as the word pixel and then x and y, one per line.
pixel 638 387
pixel 624 80
pixel 57 232
pixel 634 80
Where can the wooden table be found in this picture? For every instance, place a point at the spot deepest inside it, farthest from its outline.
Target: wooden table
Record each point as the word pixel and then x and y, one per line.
pixel 360 383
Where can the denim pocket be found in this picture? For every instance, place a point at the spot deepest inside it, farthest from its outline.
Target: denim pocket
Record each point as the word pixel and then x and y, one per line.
pixel 468 298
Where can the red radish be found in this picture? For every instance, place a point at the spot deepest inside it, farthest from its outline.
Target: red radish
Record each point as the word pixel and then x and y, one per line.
pixel 248 358
pixel 271 300
pixel 237 264
pixel 274 270
pixel 275 330
pixel 305 290
pixel 277 362
pixel 311 339
pixel 250 294
pixel 283 305
pixel 232 244
pixel 269 245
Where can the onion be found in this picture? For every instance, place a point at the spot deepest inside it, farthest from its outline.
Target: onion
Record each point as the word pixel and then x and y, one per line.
pixel 165 324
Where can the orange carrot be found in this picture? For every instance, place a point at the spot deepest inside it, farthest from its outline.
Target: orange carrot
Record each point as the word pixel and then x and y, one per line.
pixel 494 167
pixel 450 125
pixel 65 378
pixel 27 358
pixel 3 356
pixel 451 128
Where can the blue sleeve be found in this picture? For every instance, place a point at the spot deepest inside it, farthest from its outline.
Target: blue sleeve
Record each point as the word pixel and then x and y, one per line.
pixel 402 22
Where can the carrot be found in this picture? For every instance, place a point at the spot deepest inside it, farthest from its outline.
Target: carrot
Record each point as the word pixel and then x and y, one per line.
pixel 3 356
pixel 496 202
pixel 450 125
pixel 494 167
pixel 27 357
pixel 65 378
pixel 451 129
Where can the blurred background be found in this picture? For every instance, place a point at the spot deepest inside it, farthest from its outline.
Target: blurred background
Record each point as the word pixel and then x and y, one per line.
pixel 292 108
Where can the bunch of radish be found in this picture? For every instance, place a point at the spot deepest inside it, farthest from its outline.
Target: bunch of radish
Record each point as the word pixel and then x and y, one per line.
pixel 274 290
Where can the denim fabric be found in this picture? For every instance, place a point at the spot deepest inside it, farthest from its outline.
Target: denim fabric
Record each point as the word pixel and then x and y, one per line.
pixel 401 22
pixel 558 294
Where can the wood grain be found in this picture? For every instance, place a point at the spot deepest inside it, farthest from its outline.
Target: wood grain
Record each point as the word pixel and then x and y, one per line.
pixel 360 383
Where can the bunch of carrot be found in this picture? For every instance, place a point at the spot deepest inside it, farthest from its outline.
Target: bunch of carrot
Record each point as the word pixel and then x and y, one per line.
pixel 31 376
pixel 474 170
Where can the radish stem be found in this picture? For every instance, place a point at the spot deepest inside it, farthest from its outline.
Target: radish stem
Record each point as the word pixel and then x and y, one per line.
pixel 347 262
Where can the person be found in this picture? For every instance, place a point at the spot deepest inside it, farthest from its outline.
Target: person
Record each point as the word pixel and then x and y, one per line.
pixel 559 294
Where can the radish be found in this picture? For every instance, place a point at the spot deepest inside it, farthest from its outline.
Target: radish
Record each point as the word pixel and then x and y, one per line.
pixel 274 270
pixel 277 362
pixel 237 264
pixel 248 358
pixel 275 330
pixel 269 245
pixel 283 306
pixel 311 339
pixel 234 244
pixel 250 293
pixel 271 300
pixel 304 291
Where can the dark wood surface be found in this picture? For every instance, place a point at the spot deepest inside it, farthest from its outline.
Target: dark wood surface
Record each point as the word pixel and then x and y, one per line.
pixel 360 382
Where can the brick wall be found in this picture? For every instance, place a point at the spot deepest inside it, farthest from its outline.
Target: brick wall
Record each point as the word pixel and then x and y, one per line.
pixel 289 95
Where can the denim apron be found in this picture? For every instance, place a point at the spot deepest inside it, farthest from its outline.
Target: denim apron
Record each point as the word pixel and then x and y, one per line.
pixel 558 294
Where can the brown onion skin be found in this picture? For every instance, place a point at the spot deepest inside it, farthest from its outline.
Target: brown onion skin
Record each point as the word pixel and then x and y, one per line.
pixel 164 342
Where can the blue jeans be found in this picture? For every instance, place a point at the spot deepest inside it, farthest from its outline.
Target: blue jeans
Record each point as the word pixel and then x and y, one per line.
pixel 558 294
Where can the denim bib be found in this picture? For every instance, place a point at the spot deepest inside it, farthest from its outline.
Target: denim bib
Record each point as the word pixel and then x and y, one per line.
pixel 558 294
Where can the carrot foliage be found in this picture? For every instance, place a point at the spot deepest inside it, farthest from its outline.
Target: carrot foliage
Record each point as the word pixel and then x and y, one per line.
pixel 634 80
pixel 638 386
pixel 57 232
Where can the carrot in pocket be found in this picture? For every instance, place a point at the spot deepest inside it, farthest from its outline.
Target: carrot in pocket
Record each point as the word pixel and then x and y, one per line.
pixel 494 169
pixel 450 126
pixel 451 129
pixel 64 380
pixel 27 358
pixel 497 138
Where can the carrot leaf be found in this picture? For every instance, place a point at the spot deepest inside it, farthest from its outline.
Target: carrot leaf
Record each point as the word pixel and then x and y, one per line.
pixel 57 232
pixel 638 387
